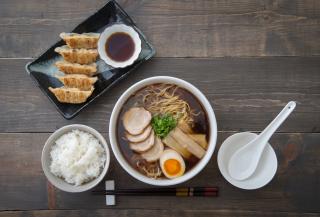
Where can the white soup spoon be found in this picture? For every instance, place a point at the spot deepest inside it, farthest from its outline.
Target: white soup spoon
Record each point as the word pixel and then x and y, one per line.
pixel 244 161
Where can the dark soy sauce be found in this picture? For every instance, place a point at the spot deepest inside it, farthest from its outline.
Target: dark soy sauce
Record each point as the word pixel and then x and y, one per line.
pixel 120 47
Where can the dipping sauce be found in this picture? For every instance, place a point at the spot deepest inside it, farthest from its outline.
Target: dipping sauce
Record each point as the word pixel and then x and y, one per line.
pixel 120 47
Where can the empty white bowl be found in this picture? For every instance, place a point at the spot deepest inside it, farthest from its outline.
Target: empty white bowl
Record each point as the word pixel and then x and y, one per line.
pixel 265 171
pixel 107 33
pixel 211 120
pixel 46 159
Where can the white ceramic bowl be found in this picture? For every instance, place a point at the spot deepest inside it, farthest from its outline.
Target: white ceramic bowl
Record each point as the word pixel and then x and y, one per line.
pixel 266 168
pixel 107 33
pixel 113 130
pixel 46 159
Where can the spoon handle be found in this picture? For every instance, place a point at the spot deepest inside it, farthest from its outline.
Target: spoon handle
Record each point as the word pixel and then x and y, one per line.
pixel 275 124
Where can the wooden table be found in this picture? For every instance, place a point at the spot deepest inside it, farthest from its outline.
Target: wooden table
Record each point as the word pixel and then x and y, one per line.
pixel 248 57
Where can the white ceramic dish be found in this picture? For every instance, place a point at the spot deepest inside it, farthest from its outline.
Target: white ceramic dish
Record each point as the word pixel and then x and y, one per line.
pixel 266 168
pixel 211 119
pixel 107 33
pixel 46 159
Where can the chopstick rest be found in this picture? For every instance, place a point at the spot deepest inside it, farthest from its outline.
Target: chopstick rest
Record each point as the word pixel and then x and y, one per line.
pixel 110 198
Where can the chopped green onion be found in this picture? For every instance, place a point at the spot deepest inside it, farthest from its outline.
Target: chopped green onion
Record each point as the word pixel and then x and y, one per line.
pixel 163 124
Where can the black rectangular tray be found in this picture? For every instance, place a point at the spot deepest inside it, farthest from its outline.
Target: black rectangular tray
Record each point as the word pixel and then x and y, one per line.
pixel 42 70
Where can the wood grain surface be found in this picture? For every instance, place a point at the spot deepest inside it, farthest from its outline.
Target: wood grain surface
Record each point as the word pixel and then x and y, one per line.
pixel 295 188
pixel 248 57
pixel 148 213
pixel 177 28
pixel 246 93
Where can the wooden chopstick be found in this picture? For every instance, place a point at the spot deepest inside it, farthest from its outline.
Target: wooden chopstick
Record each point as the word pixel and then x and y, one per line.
pixel 180 192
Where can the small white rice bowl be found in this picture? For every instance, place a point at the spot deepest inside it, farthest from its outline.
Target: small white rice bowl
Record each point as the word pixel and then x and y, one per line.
pixel 77 157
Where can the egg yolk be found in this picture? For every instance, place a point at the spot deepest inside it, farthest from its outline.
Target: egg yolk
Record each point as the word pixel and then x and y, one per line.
pixel 172 166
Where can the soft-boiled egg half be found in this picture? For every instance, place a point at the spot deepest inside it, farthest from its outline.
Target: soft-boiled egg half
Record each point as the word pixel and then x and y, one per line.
pixel 172 164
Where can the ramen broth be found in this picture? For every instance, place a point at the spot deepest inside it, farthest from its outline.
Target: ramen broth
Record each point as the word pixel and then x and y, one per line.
pixel 200 125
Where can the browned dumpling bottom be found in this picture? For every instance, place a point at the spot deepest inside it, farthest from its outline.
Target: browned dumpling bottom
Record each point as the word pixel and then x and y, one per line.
pixel 76 68
pixel 81 56
pixel 71 95
pixel 84 40
pixel 81 82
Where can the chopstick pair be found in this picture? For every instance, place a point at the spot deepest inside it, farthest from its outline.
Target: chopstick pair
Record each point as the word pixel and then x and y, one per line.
pixel 179 192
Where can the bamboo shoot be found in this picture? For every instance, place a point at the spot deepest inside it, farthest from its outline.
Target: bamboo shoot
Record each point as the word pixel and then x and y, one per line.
pixel 172 143
pixel 185 141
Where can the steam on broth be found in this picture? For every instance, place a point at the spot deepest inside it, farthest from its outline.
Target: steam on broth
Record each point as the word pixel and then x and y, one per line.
pixel 163 131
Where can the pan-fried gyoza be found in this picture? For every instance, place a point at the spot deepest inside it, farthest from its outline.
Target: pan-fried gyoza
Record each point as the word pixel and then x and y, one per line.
pixel 76 68
pixel 82 82
pixel 81 55
pixel 71 95
pixel 78 64
pixel 84 40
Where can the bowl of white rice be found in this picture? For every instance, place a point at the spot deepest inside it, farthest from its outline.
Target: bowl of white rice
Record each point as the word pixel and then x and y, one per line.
pixel 75 158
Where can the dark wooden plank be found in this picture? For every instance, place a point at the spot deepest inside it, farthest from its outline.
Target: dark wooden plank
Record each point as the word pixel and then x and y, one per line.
pixel 176 28
pixel 295 187
pixel 246 93
pixel 148 213
pixel 22 184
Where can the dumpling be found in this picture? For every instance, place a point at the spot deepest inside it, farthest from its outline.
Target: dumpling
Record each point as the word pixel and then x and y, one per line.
pixel 81 82
pixel 81 56
pixel 71 95
pixel 76 68
pixel 84 40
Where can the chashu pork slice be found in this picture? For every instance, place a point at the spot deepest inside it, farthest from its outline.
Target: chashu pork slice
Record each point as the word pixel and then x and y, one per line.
pixel 136 119
pixel 144 145
pixel 155 152
pixel 140 137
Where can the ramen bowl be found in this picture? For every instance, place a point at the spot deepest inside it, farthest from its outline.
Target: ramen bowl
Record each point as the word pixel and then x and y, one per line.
pixel 206 107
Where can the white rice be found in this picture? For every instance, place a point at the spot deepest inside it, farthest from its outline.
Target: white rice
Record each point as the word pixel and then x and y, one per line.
pixel 77 157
